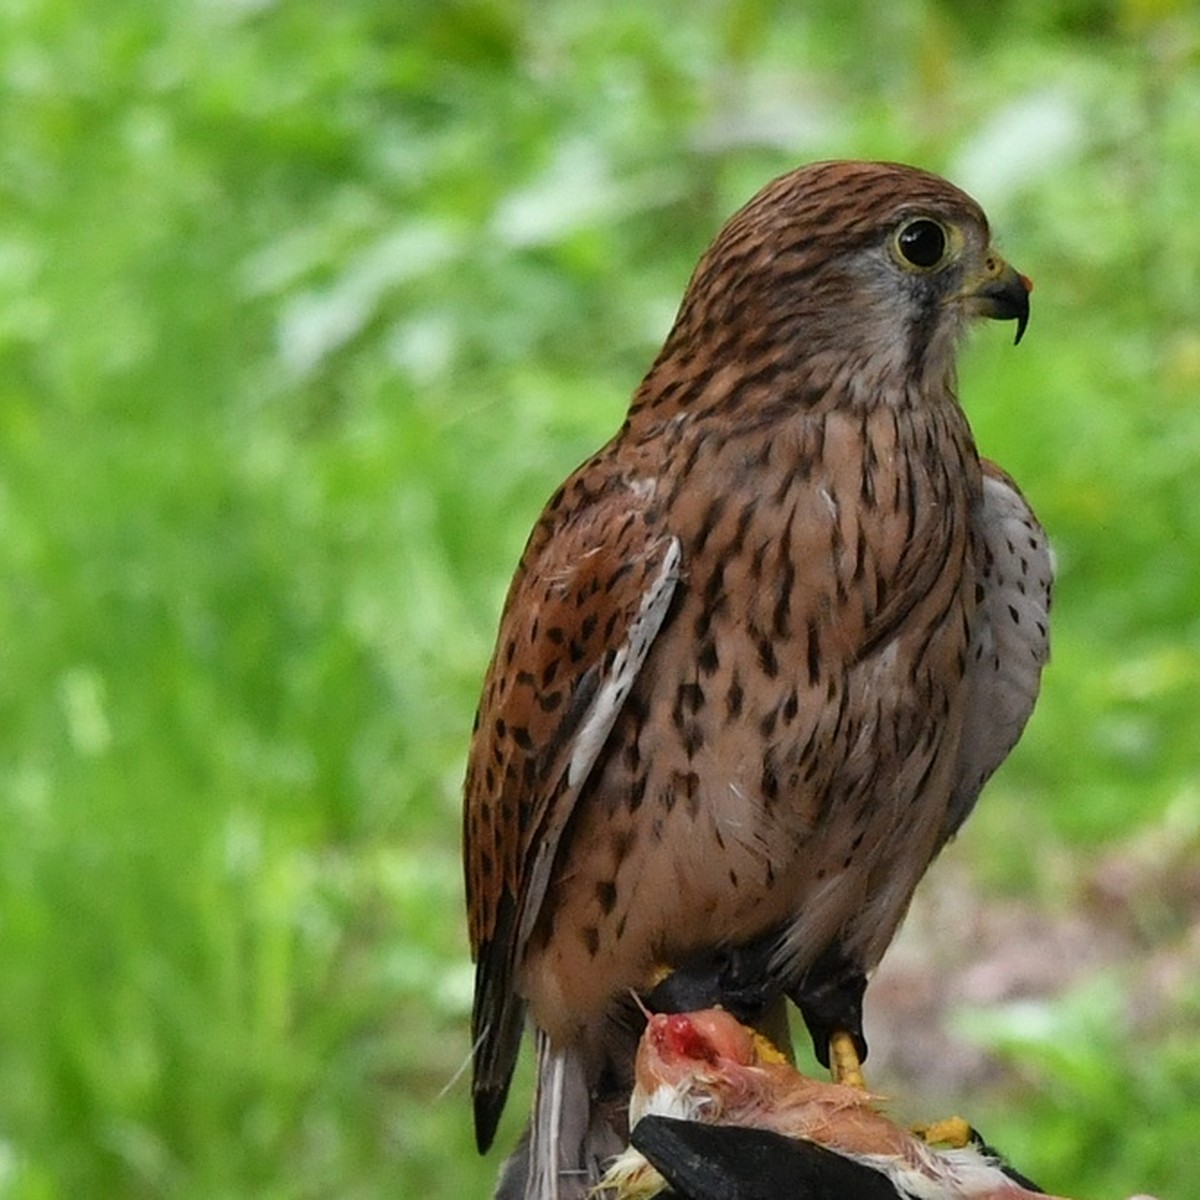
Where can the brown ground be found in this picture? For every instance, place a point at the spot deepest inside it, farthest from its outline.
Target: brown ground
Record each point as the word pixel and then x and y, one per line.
pixel 1133 912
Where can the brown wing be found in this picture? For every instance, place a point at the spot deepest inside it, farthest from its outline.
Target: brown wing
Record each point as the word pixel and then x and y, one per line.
pixel 588 599
pixel 1010 642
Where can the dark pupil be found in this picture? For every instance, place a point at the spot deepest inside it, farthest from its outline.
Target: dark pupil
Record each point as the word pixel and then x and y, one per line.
pixel 923 243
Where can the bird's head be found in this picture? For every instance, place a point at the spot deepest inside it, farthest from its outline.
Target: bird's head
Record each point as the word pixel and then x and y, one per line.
pixel 857 278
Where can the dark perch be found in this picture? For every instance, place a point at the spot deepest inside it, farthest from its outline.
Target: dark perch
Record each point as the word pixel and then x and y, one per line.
pixel 726 1162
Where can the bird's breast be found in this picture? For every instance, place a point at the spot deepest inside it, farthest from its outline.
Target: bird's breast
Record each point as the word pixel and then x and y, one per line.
pixel 787 732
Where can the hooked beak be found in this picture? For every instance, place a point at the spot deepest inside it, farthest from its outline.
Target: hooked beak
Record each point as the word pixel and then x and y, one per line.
pixel 1001 293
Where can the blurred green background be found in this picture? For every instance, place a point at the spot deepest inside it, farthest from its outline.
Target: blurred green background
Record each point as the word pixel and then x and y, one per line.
pixel 304 310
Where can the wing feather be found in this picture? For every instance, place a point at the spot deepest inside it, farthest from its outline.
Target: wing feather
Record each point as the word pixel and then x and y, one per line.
pixel 1010 642
pixel 588 600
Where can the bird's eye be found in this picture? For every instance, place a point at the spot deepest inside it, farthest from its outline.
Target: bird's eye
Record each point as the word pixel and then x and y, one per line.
pixel 922 243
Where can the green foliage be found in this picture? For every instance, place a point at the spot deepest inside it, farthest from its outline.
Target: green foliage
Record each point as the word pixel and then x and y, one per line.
pixel 304 309
pixel 1113 1105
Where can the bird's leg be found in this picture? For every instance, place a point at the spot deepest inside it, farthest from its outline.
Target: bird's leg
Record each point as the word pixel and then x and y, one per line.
pixel 950 1131
pixel 845 1065
pixel 734 977
pixel 830 997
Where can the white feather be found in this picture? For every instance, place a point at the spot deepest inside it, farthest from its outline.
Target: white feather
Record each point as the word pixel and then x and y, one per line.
pixel 602 712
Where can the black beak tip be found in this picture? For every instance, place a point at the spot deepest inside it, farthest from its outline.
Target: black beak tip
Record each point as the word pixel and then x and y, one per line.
pixel 1022 321
pixel 1006 298
pixel 1024 285
pixel 1011 303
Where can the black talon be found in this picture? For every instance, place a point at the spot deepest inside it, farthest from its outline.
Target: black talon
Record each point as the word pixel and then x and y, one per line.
pixel 830 999
pixel 733 977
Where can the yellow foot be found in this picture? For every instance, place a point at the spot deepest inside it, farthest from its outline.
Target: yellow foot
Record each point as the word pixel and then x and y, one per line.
pixel 953 1132
pixel 844 1064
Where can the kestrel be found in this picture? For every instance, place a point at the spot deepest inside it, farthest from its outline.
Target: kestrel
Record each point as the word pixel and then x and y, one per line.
pixel 761 652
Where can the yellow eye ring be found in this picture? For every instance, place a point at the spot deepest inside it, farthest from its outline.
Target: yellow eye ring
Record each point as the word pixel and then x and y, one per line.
pixel 922 244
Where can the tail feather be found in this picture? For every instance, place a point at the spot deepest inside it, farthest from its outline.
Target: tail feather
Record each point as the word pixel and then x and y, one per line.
pixel 497 1022
pixel 571 1138
pixel 496 1047
pixel 514 1173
